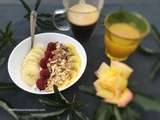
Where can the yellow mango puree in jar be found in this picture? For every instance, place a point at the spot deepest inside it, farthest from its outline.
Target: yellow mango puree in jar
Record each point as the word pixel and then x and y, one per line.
pixel 121 40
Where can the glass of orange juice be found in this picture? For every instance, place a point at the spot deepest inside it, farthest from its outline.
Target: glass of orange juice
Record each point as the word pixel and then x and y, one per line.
pixel 124 31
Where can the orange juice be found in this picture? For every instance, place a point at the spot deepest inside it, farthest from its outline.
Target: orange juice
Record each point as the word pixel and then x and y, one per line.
pixel 121 40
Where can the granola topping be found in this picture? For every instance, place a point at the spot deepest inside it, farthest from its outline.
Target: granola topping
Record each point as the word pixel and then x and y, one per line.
pixel 58 66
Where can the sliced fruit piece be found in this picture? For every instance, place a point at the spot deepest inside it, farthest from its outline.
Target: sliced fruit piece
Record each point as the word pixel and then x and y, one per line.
pixel 34 54
pixel 30 74
pixel 75 59
pixel 29 62
pixel 101 92
pixel 30 65
pixel 108 84
pixel 122 68
pixel 38 51
pixel 72 49
pixel 102 71
pixel 125 98
pixel 39 46
pixel 31 58
pixel 73 74
pixel 75 66
pixel 121 85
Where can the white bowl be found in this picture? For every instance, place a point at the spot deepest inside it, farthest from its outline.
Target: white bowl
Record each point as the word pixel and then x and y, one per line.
pixel 20 51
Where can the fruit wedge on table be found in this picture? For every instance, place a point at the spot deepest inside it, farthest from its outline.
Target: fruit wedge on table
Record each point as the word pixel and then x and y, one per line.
pixel 103 70
pixel 121 68
pixel 118 72
pixel 112 83
pixel 116 68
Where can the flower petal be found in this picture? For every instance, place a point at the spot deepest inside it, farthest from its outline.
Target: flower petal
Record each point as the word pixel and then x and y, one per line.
pixel 102 92
pixel 121 85
pixel 103 70
pixel 108 84
pixel 125 98
pixel 121 68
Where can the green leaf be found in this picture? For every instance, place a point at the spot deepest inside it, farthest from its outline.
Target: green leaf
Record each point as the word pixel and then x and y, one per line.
pixel 4 43
pixel 68 117
pixel 13 41
pixel 103 112
pixel 6 36
pixel 60 96
pixel 27 16
pixel 25 6
pixel 7 86
pixel 147 103
pixel 156 31
pixel 50 114
pixel 1 54
pixel 4 105
pixel 2 61
pixel 132 114
pixel 117 114
pixel 147 50
pixel 81 115
pixel 51 118
pixel 78 104
pixel 87 89
pixel 1 32
pixel 43 25
pixel 50 102
pixel 38 2
pixel 7 30
pixel 155 70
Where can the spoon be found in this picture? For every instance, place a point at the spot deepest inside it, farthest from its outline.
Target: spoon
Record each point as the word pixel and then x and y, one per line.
pixel 33 20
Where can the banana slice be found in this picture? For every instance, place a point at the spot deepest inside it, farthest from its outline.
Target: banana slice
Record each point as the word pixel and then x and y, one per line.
pixel 40 46
pixel 38 51
pixel 73 74
pixel 75 59
pixel 30 66
pixel 72 49
pixel 31 58
pixel 30 74
pixel 34 54
pixel 75 66
pixel 29 62
pixel 102 71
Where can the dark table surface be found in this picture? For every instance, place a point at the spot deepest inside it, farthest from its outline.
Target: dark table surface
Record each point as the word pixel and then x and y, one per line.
pixel 141 63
